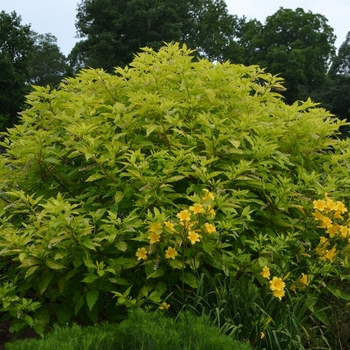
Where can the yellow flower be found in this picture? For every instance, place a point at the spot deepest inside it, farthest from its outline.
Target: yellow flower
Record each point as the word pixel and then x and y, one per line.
pixel 337 215
pixel 318 215
pixel 211 213
pixel 265 272
pixel 326 222
pixel 170 226
pixel 321 248
pixel 141 254
pixel 331 205
pixel 170 253
pixel 208 195
pixel 155 227
pixel 332 230
pixel 279 293
pixel 193 237
pixel 277 284
pixel 300 207
pixel 323 241
pixel 197 208
pixel 164 306
pixel 210 228
pixel 306 254
pixel 262 335
pixel 341 207
pixel 330 254
pixel 319 204
pixel 304 279
pixel 344 231
pixel 293 288
pixel 154 237
pixel 184 215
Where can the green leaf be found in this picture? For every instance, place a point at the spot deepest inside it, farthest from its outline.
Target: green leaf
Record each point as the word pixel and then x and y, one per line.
pixel 208 248
pixel 90 279
pixel 86 242
pixel 155 297
pixel 42 316
pixel 29 320
pixel 122 246
pixel 91 298
pixel 79 304
pixel 338 292
pixel 151 128
pixel 45 281
pixel 175 178
pixel 30 271
pixel 52 160
pixel 17 327
pixel 189 279
pixel 118 197
pixel 27 262
pixel 211 95
pixel 161 287
pixel 64 313
pixel 39 329
pixel 119 280
pixel 322 316
pixel 155 274
pixel 54 265
pixel 176 264
pixel 94 177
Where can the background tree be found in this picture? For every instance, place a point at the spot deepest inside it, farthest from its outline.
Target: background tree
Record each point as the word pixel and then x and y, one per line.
pixel 209 28
pixel 341 63
pixel 298 45
pixel 114 30
pixel 335 95
pixel 16 44
pixel 48 65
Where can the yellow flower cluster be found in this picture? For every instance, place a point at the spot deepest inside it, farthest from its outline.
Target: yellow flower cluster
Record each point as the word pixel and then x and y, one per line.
pixel 164 306
pixel 329 213
pixel 277 285
pixel 187 225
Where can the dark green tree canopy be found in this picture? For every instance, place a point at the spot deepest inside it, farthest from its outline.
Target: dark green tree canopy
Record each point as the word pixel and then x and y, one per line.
pixel 341 63
pixel 16 43
pixel 298 45
pixel 336 95
pixel 209 28
pixel 48 65
pixel 114 30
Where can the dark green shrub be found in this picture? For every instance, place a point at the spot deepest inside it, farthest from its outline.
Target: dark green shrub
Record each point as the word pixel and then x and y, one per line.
pixel 147 331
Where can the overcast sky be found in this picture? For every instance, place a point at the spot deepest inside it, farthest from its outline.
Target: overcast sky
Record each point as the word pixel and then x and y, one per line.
pixel 58 16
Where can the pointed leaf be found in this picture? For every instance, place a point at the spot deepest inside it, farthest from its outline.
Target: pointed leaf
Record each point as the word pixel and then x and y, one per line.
pixel 94 177
pixel 189 279
pixel 88 244
pixel 91 298
pixel 54 265
pixel 90 279
pixel 45 281
pixel 155 274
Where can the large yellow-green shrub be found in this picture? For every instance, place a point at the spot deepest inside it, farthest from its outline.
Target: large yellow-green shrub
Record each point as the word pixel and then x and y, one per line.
pixel 96 181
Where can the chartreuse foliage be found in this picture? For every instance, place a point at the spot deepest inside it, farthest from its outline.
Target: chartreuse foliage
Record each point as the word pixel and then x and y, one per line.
pixel 148 331
pixel 125 190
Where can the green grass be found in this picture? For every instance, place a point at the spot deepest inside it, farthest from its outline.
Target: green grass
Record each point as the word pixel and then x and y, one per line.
pixel 141 331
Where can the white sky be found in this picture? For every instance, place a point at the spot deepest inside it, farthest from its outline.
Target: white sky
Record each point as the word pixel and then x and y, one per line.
pixel 58 16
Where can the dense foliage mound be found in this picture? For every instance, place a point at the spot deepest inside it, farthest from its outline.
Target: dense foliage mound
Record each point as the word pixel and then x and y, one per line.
pixel 140 331
pixel 125 189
